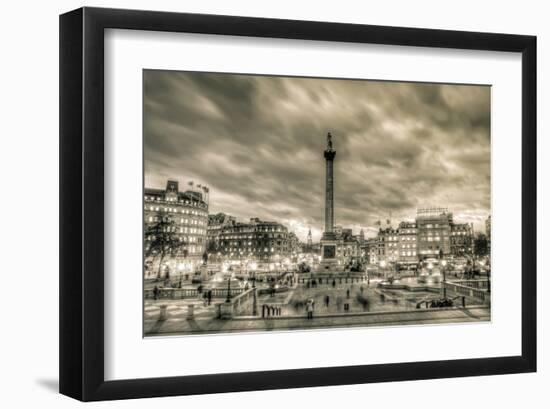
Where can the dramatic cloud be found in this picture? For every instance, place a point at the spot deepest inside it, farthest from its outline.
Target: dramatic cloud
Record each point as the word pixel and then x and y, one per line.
pixel 258 141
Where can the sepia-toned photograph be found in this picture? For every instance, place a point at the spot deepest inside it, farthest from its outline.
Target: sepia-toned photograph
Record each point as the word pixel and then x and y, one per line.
pixel 279 203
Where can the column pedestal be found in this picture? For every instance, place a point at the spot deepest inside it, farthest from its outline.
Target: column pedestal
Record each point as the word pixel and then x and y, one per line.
pixel 329 260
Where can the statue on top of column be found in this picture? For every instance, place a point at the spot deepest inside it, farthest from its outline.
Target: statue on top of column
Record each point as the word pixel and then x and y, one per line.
pixel 329 141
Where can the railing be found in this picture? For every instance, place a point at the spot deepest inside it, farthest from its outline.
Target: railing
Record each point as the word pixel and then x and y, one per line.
pixel 181 293
pixel 240 301
pixel 330 278
pixel 238 305
pixel 460 288
pixel 472 283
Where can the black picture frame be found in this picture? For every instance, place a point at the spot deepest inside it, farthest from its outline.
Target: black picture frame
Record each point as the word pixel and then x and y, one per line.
pixel 81 279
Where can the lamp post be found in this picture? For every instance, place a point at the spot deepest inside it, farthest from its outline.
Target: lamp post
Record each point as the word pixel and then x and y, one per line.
pixel 444 270
pixel 255 301
pixel 228 299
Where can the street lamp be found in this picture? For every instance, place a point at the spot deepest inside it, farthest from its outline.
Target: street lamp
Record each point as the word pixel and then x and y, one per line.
pixel 255 301
pixel 444 269
pixel 228 299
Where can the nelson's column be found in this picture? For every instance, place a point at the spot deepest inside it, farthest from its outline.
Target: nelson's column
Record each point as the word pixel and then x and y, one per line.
pixel 329 240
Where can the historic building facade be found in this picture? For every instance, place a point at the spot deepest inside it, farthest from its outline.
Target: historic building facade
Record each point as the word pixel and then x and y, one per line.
pixel 348 248
pixel 259 240
pixel 431 235
pixel 387 245
pixel 434 232
pixel 461 239
pixel 407 243
pixel 216 223
pixel 187 214
pixel 369 250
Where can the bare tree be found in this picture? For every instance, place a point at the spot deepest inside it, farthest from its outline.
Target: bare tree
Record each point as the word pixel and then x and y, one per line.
pixel 481 245
pixel 162 240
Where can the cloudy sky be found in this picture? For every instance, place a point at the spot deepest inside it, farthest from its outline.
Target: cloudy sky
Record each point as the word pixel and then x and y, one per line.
pixel 258 141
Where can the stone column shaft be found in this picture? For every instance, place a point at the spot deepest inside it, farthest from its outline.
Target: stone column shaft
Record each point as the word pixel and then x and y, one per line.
pixel 329 197
pixel 329 191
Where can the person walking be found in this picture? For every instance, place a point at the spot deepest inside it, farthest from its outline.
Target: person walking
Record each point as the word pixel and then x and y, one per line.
pixel 327 300
pixel 309 309
pixel 209 297
pixel 155 293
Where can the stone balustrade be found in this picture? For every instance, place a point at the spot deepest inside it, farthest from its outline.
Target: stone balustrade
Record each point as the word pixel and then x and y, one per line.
pixel 242 304
pixel 182 293
pixel 327 278
pixel 469 288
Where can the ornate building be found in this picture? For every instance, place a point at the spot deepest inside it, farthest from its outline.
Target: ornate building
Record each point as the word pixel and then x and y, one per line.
pixel 216 223
pixel 369 250
pixel 259 240
pixel 407 246
pixel 387 245
pixel 434 232
pixel 348 248
pixel 187 214
pixel 461 239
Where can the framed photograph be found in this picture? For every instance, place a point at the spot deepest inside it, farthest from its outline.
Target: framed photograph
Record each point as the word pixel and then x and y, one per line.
pixel 252 204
